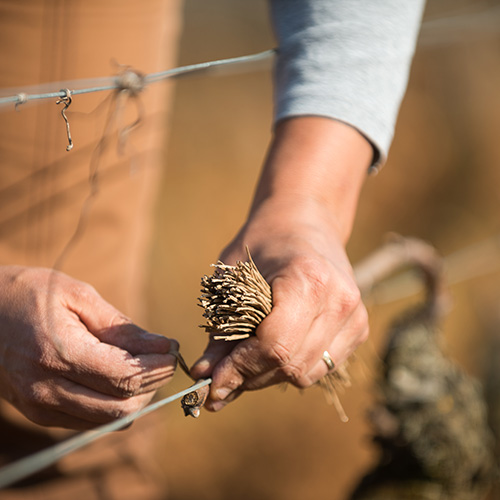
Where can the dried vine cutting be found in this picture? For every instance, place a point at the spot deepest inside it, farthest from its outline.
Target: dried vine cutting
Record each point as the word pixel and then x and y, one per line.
pixel 236 299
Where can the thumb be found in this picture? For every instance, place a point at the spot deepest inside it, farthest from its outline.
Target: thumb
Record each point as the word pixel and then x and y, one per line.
pixel 113 327
pixel 216 350
pixel 135 340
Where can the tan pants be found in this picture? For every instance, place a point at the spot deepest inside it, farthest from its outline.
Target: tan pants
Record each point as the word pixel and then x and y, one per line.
pixel 43 189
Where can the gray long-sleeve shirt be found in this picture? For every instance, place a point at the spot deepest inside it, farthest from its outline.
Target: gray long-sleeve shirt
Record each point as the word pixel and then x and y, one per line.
pixel 345 59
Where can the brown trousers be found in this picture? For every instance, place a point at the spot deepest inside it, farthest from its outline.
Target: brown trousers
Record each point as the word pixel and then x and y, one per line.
pixel 44 188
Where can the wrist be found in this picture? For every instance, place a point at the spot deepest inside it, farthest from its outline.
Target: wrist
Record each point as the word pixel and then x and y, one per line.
pixel 294 227
pixel 317 164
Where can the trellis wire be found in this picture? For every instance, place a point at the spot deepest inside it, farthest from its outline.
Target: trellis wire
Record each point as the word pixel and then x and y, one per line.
pixel 435 31
pixel 26 466
pixel 480 21
pixel 112 83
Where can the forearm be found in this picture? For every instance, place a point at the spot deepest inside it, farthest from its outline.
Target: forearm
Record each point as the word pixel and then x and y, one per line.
pixel 317 164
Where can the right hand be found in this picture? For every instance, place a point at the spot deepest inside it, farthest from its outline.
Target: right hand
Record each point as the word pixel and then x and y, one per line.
pixel 70 359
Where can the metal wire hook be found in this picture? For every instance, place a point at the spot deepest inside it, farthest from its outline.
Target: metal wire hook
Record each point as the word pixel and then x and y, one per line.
pixel 22 98
pixel 66 100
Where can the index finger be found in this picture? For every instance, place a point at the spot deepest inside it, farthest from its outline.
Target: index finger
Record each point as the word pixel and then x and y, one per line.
pixel 109 369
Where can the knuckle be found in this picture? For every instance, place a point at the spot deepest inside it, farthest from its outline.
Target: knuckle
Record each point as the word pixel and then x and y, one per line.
pixel 53 358
pixel 118 319
pixel 350 296
pixel 278 355
pixel 46 361
pixel 296 374
pixel 36 402
pixel 39 395
pixel 318 279
pixel 83 291
pixel 325 283
pixel 129 385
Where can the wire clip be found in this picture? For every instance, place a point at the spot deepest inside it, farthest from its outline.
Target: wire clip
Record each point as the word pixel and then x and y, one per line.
pixel 66 100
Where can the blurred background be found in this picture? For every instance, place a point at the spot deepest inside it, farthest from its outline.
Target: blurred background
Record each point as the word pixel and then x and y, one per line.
pixel 441 183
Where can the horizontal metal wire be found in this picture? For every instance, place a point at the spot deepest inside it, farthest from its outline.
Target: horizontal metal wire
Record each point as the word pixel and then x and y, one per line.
pixel 26 466
pixel 86 86
pixel 447 28
pixel 450 27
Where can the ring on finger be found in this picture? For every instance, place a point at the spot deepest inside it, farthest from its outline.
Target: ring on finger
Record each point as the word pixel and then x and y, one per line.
pixel 328 361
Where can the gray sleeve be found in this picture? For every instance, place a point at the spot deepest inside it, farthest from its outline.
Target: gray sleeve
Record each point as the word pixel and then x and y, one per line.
pixel 345 59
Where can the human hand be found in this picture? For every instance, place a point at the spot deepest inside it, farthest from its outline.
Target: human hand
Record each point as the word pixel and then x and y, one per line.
pixel 70 359
pixel 316 305
pixel 299 222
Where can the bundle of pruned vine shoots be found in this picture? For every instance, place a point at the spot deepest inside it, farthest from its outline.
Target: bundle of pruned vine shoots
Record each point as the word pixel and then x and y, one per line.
pixel 236 299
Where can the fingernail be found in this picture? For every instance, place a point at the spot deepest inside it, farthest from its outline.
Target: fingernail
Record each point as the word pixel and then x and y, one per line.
pixel 223 393
pixel 152 336
pixel 202 365
pixel 217 405
pixel 158 339
pixel 201 368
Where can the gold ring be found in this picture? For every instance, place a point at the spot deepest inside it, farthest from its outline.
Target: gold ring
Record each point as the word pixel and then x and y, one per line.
pixel 328 361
